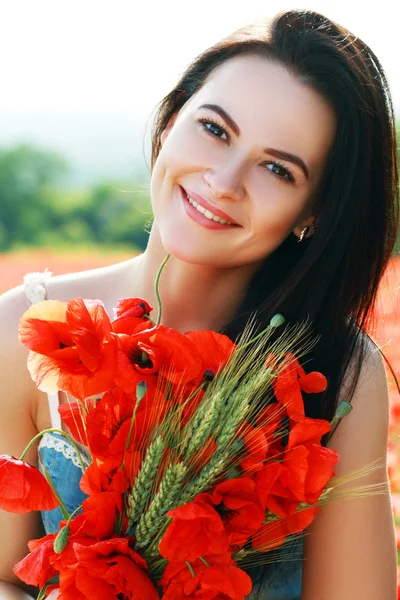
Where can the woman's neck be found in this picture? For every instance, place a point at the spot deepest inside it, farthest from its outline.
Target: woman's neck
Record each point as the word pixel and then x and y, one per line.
pixel 193 296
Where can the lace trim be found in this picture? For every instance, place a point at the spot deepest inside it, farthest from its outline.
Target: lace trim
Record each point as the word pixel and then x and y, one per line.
pixel 36 286
pixel 64 447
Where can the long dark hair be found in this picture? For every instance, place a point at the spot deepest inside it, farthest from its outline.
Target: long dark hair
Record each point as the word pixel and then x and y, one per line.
pixel 332 277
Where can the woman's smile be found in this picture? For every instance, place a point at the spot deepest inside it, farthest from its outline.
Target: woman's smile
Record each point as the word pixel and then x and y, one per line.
pixel 201 212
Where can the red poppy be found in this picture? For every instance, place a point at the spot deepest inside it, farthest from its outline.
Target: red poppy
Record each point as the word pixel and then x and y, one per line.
pixel 240 507
pixel 291 380
pixel 107 569
pixel 131 307
pixel 256 447
pixel 99 514
pixel 74 416
pixel 110 424
pixel 158 349
pixel 273 534
pixel 23 488
pixel 36 569
pixel 303 473
pixel 196 529
pixel 71 345
pixel 220 580
pixel 215 349
pixel 265 481
pixel 307 431
pixel 129 313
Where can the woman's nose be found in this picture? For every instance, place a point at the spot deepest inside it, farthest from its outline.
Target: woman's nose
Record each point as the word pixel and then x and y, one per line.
pixel 225 181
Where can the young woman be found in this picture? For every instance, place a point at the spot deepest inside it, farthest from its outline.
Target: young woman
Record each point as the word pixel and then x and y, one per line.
pixel 274 187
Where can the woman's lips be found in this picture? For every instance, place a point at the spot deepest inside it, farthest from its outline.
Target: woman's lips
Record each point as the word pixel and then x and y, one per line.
pixel 205 204
pixel 197 216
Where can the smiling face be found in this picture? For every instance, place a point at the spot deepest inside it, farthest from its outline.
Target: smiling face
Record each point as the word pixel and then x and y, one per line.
pixel 221 150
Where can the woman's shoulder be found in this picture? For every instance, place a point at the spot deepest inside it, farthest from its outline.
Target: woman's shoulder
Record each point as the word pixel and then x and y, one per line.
pixel 364 432
pixel 100 283
pixel 105 283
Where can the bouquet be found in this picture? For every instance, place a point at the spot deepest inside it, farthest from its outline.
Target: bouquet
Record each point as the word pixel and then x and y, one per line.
pixel 202 460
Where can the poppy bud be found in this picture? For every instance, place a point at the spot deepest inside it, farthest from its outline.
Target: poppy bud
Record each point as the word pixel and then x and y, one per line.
pixel 141 389
pixel 61 540
pixel 343 409
pixel 277 320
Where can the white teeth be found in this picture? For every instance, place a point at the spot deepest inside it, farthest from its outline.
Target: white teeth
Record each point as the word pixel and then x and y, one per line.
pixel 207 213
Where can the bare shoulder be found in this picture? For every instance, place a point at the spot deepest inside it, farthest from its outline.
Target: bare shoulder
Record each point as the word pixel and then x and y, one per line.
pixel 350 549
pixel 18 392
pixel 363 434
pixel 105 283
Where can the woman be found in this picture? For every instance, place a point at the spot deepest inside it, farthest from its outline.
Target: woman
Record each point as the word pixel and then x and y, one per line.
pixel 279 134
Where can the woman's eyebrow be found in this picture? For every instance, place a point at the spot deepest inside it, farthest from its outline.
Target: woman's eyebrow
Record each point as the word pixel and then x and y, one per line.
pixel 277 153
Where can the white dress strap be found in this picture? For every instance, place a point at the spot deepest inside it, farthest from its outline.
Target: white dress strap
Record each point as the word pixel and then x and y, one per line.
pixel 35 286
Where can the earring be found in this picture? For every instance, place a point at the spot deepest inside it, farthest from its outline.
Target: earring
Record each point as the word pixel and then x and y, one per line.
pixel 305 231
pixel 303 234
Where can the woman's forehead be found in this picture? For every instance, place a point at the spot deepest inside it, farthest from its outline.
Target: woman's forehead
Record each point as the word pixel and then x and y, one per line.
pixel 270 106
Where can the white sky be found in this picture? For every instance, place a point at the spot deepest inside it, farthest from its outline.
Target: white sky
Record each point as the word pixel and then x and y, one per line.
pixel 119 57
pixel 96 54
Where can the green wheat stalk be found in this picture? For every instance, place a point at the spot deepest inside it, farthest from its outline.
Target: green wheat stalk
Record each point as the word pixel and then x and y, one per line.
pixel 149 522
pixel 141 490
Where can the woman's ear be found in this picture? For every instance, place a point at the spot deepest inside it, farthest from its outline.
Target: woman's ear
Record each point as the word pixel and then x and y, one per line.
pixel 307 222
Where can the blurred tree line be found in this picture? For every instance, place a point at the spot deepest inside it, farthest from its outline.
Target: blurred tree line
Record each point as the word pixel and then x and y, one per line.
pixel 38 209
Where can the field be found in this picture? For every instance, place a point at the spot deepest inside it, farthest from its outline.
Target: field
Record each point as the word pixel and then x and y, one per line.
pixel 386 328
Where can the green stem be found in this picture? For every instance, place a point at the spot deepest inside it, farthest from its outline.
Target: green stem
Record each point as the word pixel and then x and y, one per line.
pixel 72 515
pixel 61 432
pixel 64 510
pixel 242 346
pixel 156 284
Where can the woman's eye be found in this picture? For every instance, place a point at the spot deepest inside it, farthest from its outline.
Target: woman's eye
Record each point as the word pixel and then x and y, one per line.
pixel 281 172
pixel 213 128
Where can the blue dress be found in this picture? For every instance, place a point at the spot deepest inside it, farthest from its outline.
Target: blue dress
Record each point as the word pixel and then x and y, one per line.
pixel 61 462
pixel 279 580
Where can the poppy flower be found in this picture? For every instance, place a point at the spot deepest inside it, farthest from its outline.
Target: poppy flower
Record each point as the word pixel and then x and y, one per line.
pixel 110 424
pixel 107 569
pixel 239 506
pixel 36 569
pixel 256 447
pixel 215 349
pixel 74 416
pixel 23 487
pixel 129 313
pixel 303 473
pixel 291 380
pixel 131 307
pixel 220 579
pixel 196 529
pixel 274 533
pixel 152 350
pixel 71 345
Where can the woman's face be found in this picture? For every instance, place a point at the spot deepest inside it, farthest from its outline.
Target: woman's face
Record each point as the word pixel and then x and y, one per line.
pixel 224 157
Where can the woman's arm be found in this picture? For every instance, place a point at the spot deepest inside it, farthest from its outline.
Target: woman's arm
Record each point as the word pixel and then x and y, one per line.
pixel 17 427
pixel 350 552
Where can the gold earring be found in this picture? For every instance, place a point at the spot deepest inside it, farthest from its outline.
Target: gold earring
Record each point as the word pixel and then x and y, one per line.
pixel 303 234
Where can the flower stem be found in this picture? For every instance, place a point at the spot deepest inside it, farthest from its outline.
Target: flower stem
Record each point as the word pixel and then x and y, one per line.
pixel 64 510
pixel 156 284
pixel 53 430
